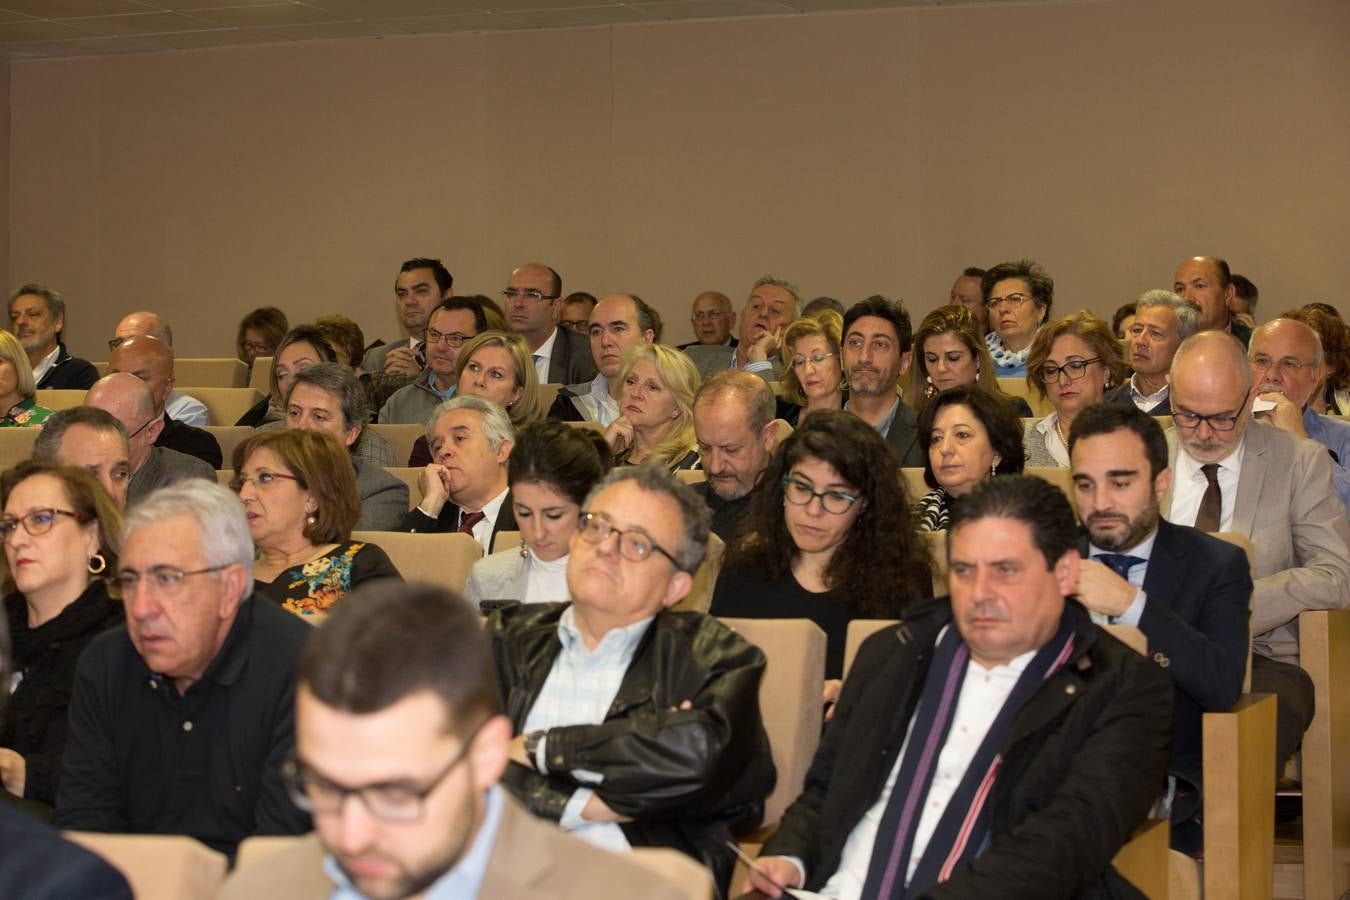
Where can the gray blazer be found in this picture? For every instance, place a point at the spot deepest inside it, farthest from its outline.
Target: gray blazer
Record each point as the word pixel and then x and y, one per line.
pixel 710 358
pixel 501 576
pixel 164 467
pixel 384 498
pixel 1287 508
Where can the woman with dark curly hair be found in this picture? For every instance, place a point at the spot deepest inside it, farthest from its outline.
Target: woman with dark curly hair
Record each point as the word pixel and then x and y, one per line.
pixel 828 537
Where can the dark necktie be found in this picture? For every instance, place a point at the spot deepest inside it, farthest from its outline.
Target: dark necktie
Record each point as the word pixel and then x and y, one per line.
pixel 468 520
pixel 1120 563
pixel 1211 504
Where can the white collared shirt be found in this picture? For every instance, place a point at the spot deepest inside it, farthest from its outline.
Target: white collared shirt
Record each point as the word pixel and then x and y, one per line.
pixel 1147 403
pixel 599 405
pixel 41 369
pixel 482 532
pixel 1058 452
pixel 1189 484
pixel 543 355
pixel 188 410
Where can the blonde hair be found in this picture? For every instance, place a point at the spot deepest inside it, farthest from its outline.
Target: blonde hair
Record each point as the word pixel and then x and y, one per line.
pixel 529 406
pixel 960 321
pixel 824 323
pixel 679 376
pixel 12 351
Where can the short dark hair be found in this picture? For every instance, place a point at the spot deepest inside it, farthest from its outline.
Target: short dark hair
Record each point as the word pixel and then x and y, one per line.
pixel 1108 418
pixel 1244 288
pixel 386 641
pixel 1028 499
pixel 47 446
pixel 1221 266
pixel 1123 312
pixel 998 416
pixel 580 297
pixel 306 334
pixel 444 280
pixel 570 460
pixel 268 321
pixel 480 322
pixel 892 311
pixel 820 303
pixel 343 334
pixel 1040 283
pixel 972 272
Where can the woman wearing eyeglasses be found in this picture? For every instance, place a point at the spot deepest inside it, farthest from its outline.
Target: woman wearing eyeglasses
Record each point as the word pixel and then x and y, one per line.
pixel 950 351
pixel 828 537
pixel 813 377
pixel 656 409
pixel 1017 299
pixel 552 468
pixel 1073 362
pixel 971 435
pixel 62 532
pixel 299 495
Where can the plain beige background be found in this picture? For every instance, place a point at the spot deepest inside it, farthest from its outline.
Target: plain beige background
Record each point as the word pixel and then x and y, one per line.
pixel 852 153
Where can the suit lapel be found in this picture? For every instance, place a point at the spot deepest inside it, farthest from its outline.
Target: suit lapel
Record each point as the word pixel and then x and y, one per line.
pixel 1165 569
pixel 1255 461
pixel 1171 435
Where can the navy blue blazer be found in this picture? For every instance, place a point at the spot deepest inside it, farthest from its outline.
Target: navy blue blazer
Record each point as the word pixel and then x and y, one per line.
pixel 39 864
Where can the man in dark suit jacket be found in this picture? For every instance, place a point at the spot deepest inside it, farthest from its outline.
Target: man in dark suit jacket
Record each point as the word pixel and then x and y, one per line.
pixel 1059 732
pixel 37 314
pixel 876 352
pixel 1207 282
pixel 1188 592
pixel 533 304
pixel 151 360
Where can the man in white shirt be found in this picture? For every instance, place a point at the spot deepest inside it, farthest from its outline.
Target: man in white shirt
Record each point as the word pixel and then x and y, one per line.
pixel 178 405
pixel 1275 489
pixel 618 322
pixel 533 300
pixel 996 743
pixel 1162 321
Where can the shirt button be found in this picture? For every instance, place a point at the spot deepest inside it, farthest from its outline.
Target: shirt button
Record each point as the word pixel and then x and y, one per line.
pixel 1070 689
pixel 187 726
pixel 154 685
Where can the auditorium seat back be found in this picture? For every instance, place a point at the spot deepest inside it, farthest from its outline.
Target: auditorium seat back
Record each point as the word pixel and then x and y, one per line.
pixel 401 438
pixel 222 372
pixel 443 559
pixel 159 866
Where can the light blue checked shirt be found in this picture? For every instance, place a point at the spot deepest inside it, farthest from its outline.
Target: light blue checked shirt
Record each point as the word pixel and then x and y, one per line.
pixel 579 690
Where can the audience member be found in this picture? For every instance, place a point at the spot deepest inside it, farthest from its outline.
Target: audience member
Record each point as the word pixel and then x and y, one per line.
pixel 301 347
pixel 299 494
pixel 1206 282
pixel 345 337
pixel 465 489
pixel 1017 298
pixel 971 436
pixel 813 371
pixel 823 303
pixel 37 316
pixel 177 405
pixel 496 366
pixel 877 340
pixel 637 726
pixel 1020 747
pixel 1123 319
pixel 180 722
pixel 551 470
pixel 17 388
pixel 1186 591
pixel 38 863
pixel 618 322
pixel 1333 396
pixel 736 432
pixel 328 398
pixel 1074 360
pixel 967 291
pixel 496 319
pixel 61 532
pixel 949 351
pixel 533 305
pixel 1242 305
pixel 129 401
pixel 1162 320
pixel 1226 466
pixel 91 439
pixel 450 324
pixel 772 304
pixel 576 312
pixel 432 820
pixel 151 361
pixel 420 285
pixel 656 405
pixel 260 331
pixel 828 538
pixel 713 320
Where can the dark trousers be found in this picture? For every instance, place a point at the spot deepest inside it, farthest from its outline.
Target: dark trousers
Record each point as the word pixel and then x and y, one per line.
pixel 1294 703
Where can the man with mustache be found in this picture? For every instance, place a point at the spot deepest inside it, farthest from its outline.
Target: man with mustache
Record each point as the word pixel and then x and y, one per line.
pixel 994 744
pixel 878 338
pixel 1185 590
pixel 37 316
pixel 736 430
pixel 772 305
pixel 1275 489
pixel 1162 321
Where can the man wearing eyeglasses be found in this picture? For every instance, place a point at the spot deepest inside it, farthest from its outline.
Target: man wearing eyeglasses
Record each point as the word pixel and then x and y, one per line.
pixel 450 324
pixel 533 299
pixel 1275 489
pixel 618 322
pixel 128 400
pixel 179 722
pixel 713 320
pixel 637 726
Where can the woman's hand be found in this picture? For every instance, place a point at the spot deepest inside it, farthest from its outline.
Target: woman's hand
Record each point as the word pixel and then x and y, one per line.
pixel 13 771
pixel 619 435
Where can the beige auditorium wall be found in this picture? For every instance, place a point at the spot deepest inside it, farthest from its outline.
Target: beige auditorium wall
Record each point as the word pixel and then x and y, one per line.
pixel 877 151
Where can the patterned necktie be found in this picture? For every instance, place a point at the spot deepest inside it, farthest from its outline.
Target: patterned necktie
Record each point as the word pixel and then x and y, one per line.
pixel 1211 504
pixel 1120 563
pixel 468 520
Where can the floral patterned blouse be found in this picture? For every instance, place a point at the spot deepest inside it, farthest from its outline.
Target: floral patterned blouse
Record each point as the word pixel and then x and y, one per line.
pixel 319 583
pixel 24 414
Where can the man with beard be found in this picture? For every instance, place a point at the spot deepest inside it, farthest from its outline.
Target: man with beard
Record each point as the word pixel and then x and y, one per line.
pixel 736 431
pixel 37 316
pixel 876 352
pixel 1186 591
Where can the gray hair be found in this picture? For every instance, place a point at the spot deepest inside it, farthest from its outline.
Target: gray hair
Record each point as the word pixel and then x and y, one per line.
pixel 47 446
pixel 751 391
pixel 222 528
pixel 1161 298
pixel 342 383
pixel 497 427
pixel 696 518
pixel 1317 338
pixel 1229 348
pixel 56 304
pixel 785 285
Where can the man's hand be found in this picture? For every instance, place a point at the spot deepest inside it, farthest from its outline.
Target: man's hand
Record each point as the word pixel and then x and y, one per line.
pixel 619 435
pixel 1246 319
pixel 832 688
pixel 401 361
pixel 597 810
pixel 765 346
pixel 1285 416
pixel 1102 590
pixel 433 483
pixel 13 771
pixel 516 751
pixel 770 875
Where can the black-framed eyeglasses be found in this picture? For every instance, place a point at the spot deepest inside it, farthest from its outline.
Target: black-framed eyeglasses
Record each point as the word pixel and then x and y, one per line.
pixel 1217 422
pixel 1012 301
pixel 534 295
pixel 799 493
pixel 392 802
pixel 635 544
pixel 453 338
pixel 152 420
pixel 165 579
pixel 264 478
pixel 37 521
pixel 1074 368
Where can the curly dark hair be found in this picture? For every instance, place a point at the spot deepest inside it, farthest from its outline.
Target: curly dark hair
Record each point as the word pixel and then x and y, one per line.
pixel 882 566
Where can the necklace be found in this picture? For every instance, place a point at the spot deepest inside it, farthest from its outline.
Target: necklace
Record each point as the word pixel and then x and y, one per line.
pixel 1059 430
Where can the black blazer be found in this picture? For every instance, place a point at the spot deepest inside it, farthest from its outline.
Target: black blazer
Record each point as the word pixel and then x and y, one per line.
pixel 417 521
pixel 903 438
pixel 69 373
pixel 1199 589
pixel 39 864
pixel 190 440
pixel 571 362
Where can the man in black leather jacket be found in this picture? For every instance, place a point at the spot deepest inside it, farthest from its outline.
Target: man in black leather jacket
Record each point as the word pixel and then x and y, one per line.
pixel 637 726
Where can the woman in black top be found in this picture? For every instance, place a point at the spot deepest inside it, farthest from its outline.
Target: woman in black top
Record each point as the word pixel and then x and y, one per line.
pixel 828 537
pixel 61 532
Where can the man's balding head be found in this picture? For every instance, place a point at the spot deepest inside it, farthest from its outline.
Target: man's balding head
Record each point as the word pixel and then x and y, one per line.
pixel 150 360
pixel 139 323
pixel 129 401
pixel 1211 378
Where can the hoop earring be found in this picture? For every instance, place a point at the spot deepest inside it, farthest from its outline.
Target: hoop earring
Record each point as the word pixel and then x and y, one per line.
pixel 97 560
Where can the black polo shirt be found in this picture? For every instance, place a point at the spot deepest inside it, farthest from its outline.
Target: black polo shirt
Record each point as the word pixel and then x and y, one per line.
pixel 141 759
